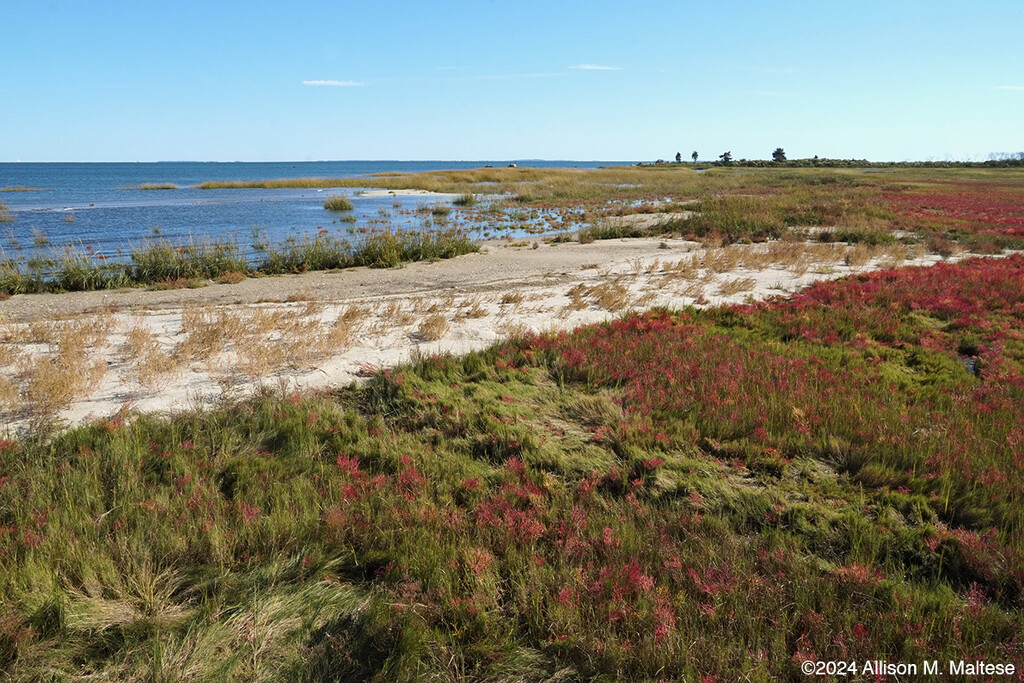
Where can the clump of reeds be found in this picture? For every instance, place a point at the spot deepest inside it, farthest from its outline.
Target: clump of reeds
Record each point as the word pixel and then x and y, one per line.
pixel 338 202
pixel 466 199
pixel 164 261
pixel 5 215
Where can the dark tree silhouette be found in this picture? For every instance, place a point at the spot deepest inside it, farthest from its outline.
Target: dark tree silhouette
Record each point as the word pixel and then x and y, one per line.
pixel 726 158
pixel 694 156
pixel 679 157
pixel 779 154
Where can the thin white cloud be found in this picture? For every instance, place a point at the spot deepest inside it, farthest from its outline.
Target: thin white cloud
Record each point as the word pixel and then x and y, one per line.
pixel 343 84
pixel 1010 87
pixel 595 67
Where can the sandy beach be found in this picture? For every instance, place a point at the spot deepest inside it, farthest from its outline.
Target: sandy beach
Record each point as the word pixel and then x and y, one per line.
pixel 166 351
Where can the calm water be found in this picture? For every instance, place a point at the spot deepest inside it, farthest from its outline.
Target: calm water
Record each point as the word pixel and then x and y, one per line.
pixel 95 206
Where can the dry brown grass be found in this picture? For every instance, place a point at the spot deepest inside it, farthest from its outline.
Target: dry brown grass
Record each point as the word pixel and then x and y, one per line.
pixel 53 382
pixel 312 308
pixel 687 267
pixel 722 259
pixel 232 278
pixel 9 393
pixel 612 296
pixel 472 307
pixel 55 362
pixel 893 255
pixel 393 315
pixel 736 285
pixel 258 360
pixel 859 256
pixel 694 290
pixel 145 355
pixel 354 315
pixel 10 354
pixel 577 298
pixel 423 305
pixel 304 342
pixel 207 332
pixel 432 327
pixel 514 298
pixel 340 334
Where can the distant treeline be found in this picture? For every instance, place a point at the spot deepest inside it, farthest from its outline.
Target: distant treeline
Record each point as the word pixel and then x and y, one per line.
pixel 1003 162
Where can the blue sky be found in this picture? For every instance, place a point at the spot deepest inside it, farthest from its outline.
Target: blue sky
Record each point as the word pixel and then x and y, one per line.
pixel 258 81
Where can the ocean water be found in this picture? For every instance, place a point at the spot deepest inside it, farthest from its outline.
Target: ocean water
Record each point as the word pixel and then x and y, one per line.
pixel 97 208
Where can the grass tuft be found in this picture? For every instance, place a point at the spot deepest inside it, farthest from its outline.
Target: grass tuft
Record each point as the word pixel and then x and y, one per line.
pixel 338 203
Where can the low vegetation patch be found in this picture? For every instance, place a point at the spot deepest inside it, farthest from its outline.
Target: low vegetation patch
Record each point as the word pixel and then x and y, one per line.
pixel 155 186
pixel 338 203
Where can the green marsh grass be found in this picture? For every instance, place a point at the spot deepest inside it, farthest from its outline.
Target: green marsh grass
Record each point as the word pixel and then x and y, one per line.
pixel 166 264
pixel 775 485
pixel 338 203
pixel 155 186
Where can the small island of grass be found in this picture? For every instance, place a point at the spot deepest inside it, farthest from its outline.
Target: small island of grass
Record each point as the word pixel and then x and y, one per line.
pixel 338 202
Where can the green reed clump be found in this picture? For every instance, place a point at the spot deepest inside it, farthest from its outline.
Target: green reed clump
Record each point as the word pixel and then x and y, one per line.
pixel 604 230
pixel 80 272
pixel 5 215
pixel 321 252
pixel 338 203
pixel 867 236
pixel 378 249
pixel 164 261
pixel 467 199
pixel 390 248
pixel 735 216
